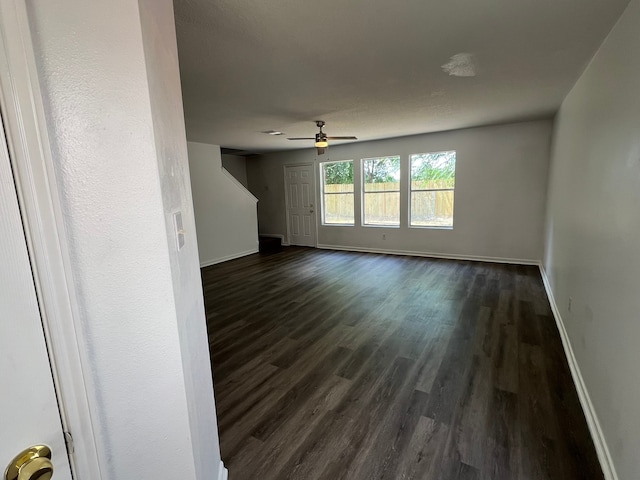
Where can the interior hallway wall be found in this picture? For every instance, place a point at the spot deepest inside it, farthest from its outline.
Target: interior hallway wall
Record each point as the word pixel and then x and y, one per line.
pixel 592 254
pixel 109 76
pixel 236 165
pixel 225 211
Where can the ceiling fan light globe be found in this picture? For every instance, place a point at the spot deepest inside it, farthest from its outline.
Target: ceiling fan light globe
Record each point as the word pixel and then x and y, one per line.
pixel 322 144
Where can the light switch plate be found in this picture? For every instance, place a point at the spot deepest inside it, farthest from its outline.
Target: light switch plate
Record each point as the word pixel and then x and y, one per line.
pixel 177 224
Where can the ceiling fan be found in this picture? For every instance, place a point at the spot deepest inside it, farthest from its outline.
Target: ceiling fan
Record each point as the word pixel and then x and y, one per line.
pixel 322 139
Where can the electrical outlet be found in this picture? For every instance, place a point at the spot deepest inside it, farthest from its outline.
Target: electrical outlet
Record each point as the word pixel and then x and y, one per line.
pixel 570 304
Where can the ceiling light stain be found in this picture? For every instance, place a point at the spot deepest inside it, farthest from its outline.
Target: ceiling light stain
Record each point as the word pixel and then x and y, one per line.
pixel 461 65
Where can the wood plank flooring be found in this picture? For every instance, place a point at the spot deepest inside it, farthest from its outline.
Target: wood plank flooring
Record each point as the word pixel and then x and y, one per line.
pixel 339 365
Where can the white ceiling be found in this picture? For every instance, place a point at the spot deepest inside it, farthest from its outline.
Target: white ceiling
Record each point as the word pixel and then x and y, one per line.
pixel 373 68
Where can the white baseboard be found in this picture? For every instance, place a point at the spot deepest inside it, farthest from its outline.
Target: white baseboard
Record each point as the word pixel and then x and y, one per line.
pixel 516 261
pixel 606 462
pixel 223 473
pixel 226 258
pixel 275 235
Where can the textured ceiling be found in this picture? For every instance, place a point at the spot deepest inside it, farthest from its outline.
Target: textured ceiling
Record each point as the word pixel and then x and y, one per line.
pixel 373 68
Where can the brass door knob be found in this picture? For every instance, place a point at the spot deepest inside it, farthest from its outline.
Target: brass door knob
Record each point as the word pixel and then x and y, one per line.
pixel 34 463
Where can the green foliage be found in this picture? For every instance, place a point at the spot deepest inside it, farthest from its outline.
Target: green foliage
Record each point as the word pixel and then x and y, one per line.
pixel 428 170
pixel 338 173
pixel 381 170
pixel 433 170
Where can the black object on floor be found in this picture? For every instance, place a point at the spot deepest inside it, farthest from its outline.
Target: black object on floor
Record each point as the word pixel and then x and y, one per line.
pixel 269 244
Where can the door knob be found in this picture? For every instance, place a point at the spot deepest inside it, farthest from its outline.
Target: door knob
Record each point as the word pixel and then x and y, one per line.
pixel 34 463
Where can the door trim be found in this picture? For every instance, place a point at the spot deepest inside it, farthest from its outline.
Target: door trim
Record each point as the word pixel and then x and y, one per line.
pixel 286 198
pixel 37 192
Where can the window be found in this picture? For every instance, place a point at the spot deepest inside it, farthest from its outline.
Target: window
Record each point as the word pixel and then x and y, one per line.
pixel 381 190
pixel 433 178
pixel 337 193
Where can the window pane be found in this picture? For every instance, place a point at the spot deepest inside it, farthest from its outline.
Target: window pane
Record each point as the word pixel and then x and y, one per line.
pixel 337 186
pixel 432 209
pixel 433 170
pixel 338 173
pixel 338 208
pixel 381 190
pixel 382 208
pixel 381 173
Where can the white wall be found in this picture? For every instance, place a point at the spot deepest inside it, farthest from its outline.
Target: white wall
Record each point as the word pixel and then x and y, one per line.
pixel 226 213
pixel 161 55
pixel 501 178
pixel 236 165
pixel 593 234
pixel 109 75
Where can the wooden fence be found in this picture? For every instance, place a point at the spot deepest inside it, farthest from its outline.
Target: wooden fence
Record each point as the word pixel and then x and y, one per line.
pixel 382 205
pixel 338 207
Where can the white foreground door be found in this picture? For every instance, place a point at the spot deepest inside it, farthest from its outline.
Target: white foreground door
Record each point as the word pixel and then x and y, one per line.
pixel 301 217
pixel 29 412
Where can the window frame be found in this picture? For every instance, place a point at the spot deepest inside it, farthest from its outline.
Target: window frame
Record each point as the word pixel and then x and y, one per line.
pixel 411 190
pixel 363 192
pixel 323 211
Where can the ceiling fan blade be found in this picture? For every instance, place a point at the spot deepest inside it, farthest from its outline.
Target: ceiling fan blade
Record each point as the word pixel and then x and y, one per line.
pixel 302 138
pixel 342 138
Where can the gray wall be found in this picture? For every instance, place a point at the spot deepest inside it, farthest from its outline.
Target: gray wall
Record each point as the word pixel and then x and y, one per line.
pixel 226 213
pixel 593 234
pixel 236 165
pixel 161 59
pixel 501 178
pixel 109 76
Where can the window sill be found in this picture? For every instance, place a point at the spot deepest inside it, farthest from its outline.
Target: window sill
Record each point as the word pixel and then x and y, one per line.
pixel 431 227
pixel 338 224
pixel 379 226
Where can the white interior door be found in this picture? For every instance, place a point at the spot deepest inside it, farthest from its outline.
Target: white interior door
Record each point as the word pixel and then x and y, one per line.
pixel 301 216
pixel 29 412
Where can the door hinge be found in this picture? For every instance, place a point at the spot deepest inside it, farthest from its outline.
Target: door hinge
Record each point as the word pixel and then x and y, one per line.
pixel 68 439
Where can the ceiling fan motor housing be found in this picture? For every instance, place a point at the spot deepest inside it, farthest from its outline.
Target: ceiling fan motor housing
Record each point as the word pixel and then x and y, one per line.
pixel 322 139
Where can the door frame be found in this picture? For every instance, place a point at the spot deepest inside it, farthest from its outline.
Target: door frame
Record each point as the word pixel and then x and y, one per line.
pixel 315 195
pixel 37 193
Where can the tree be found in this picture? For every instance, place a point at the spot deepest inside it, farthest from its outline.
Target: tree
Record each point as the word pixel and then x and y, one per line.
pixel 382 170
pixel 434 170
pixel 338 173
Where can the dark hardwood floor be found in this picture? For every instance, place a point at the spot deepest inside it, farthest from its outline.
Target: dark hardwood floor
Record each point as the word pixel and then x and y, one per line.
pixel 338 365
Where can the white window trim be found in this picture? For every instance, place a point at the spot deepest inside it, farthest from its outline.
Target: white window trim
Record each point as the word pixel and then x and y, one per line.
pixel 363 192
pixel 411 190
pixel 323 193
